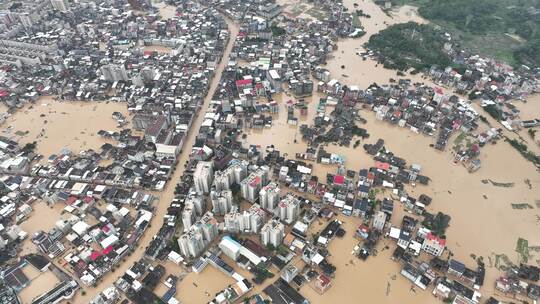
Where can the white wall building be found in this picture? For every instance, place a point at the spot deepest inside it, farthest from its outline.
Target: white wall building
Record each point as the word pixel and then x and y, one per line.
pixel 203 176
pixel 272 233
pixel 269 196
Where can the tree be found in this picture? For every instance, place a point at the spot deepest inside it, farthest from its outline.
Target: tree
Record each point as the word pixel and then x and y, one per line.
pixel 29 147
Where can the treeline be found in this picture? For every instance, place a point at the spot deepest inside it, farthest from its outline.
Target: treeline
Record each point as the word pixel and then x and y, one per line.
pixel 483 17
pixel 409 45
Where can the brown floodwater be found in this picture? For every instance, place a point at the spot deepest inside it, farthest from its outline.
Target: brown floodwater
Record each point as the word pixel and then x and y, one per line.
pixel 55 125
pixel 483 221
pixel 166 196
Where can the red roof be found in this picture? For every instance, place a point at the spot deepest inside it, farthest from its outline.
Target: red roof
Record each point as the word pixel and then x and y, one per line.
pixel 324 280
pixel 381 165
pixel 108 250
pixel 339 179
pixel 3 93
pixel 71 200
pixel 95 255
pixel 433 237
pixel 255 181
pixel 243 82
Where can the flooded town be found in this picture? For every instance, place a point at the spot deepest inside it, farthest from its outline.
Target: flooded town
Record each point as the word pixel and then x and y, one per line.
pixel 288 151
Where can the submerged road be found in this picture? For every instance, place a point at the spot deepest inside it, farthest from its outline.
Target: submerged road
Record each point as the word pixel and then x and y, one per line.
pixel 167 195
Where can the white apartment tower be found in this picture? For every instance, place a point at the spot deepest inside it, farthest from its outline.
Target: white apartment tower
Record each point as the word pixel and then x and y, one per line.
pixel 114 72
pixel 222 201
pixel 269 196
pixel 234 174
pixel 288 209
pixel 272 233
pixel 203 176
pixel 252 185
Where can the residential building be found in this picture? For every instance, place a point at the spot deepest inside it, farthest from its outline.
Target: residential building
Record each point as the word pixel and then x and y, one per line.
pixel 222 201
pixel 114 72
pixel 191 243
pixel 272 233
pixel 60 5
pixel 269 196
pixel 433 244
pixel 288 209
pixel 379 220
pixel 252 185
pixel 203 176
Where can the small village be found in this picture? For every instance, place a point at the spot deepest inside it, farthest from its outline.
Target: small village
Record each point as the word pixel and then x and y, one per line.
pixel 178 188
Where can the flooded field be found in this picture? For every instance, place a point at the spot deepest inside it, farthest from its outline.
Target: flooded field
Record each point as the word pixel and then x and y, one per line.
pixel 350 68
pixel 376 280
pixel 43 217
pixel 55 125
pixel 41 282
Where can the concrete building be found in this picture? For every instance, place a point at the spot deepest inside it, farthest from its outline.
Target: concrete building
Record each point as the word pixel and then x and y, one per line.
pixel 379 220
pixel 193 207
pixel 230 247
pixel 269 11
pixel 252 185
pixel 191 243
pixel 209 226
pixel 198 236
pixel 203 176
pixel 114 72
pixel 269 196
pixel 234 174
pixel 272 233
pixel 288 209
pixel 222 201
pixel 249 221
pixel 433 244
pixel 60 5
pixel 275 80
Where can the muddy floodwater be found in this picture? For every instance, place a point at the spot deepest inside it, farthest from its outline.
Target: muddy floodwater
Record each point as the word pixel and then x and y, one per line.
pixel 483 221
pixel 55 125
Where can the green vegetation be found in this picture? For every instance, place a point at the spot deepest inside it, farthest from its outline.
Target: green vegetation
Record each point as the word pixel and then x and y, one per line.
pixel 317 13
pixel 522 247
pixel 277 31
pixel 508 30
pixel 437 224
pixel 261 274
pixel 410 45
pixel 360 132
pixel 524 151
pixel 493 111
pixel 29 147
pixel 282 250
pixel 532 133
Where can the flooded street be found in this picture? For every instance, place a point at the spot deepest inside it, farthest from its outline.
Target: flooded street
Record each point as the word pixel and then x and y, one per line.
pixel 483 220
pixel 166 196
